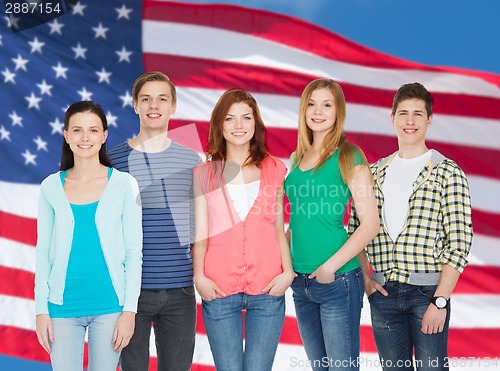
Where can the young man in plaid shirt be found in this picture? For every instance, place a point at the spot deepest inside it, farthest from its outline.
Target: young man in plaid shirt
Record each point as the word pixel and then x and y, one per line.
pixel 424 239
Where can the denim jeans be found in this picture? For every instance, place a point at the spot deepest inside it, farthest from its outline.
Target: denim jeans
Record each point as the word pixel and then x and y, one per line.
pixel 397 323
pixel 69 340
pixel 173 313
pixel 329 316
pixel 263 322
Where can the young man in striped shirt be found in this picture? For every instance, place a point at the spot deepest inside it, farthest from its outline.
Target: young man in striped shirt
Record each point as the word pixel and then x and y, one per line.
pixel 424 240
pixel 163 169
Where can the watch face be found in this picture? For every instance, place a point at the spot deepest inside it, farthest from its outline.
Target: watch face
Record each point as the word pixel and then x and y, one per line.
pixel 440 302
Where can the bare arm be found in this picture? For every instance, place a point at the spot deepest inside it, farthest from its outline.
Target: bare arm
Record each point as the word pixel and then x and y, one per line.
pixel 361 187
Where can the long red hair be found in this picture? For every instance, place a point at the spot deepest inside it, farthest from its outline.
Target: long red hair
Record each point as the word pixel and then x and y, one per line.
pixel 216 147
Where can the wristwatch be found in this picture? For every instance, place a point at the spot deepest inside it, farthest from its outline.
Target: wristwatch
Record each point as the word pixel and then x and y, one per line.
pixel 440 302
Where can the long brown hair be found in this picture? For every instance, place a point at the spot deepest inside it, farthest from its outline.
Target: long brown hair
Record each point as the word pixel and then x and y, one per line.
pixel 216 147
pixel 334 139
pixel 67 157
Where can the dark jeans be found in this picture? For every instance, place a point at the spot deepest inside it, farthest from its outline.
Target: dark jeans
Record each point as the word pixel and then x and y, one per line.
pixel 397 323
pixel 173 315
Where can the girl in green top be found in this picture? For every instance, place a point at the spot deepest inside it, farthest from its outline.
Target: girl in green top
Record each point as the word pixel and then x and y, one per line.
pixel 327 171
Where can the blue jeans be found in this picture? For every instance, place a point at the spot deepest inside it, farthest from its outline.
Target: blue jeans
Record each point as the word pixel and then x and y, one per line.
pixel 173 313
pixel 397 323
pixel 264 318
pixel 69 340
pixel 328 316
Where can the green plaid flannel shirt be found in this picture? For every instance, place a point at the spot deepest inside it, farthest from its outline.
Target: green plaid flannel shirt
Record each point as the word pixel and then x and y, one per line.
pixel 438 228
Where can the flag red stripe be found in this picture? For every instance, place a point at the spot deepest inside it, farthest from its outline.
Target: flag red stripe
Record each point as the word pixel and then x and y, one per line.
pixel 18 228
pixel 222 75
pixel 486 223
pixel 288 31
pixel 11 337
pixel 24 283
pixel 475 279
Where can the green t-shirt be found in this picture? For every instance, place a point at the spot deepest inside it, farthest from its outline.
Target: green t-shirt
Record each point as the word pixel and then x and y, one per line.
pixel 318 202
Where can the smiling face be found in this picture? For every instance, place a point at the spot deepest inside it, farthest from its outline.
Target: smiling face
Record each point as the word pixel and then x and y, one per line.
pixel 411 122
pixel 85 134
pixel 239 125
pixel 321 113
pixel 154 106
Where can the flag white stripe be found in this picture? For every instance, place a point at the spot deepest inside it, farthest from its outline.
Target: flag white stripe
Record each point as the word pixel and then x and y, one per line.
pixel 485 250
pixel 484 193
pixel 190 40
pixel 17 255
pixel 19 199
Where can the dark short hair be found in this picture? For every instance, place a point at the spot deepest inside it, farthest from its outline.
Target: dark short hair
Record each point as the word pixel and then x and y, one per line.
pixel 414 90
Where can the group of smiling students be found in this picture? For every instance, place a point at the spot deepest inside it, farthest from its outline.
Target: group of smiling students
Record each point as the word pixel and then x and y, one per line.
pixel 124 235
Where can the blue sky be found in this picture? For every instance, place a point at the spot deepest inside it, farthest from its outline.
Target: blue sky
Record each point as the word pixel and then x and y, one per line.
pixel 456 33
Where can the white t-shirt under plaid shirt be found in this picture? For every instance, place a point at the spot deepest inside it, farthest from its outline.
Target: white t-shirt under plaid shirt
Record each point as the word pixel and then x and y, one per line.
pixel 397 188
pixel 437 230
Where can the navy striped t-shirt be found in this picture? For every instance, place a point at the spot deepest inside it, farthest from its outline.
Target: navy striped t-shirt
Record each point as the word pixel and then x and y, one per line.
pixel 166 185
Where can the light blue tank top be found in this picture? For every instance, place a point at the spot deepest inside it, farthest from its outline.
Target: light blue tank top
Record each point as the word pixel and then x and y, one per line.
pixel 88 289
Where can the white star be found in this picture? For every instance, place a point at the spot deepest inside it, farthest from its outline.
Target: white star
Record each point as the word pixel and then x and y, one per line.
pixel 111 119
pixel 60 70
pixel 12 22
pixel 84 94
pixel 57 126
pixel 40 143
pixel 16 120
pixel 20 62
pixel 29 158
pixel 4 134
pixel 55 27
pixel 124 55
pixel 103 75
pixel 79 51
pixel 100 31
pixel 8 76
pixel 33 101
pixel 36 46
pixel 127 100
pixel 123 12
pixel 78 9
pixel 45 88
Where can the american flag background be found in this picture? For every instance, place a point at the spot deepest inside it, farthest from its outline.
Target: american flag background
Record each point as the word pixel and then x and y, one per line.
pixel 98 48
